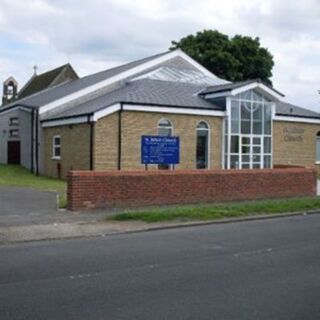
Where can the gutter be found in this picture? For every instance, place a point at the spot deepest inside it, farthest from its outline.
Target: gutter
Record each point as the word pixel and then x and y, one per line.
pixel 297 116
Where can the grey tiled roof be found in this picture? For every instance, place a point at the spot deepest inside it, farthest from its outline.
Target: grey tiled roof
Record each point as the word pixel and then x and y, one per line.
pixel 165 93
pixel 287 109
pixel 48 95
pixel 226 87
pixel 233 85
pixel 144 91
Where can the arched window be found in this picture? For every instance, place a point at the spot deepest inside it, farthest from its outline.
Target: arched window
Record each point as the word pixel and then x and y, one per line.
pixel 318 147
pixel 165 128
pixel 202 152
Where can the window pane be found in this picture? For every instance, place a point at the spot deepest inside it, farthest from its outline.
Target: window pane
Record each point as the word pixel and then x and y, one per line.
pixel 267 161
pixel 164 123
pixel 235 126
pixel 256 96
pixel 256 158
pixel 202 125
pixel 246 140
pixel 267 145
pixel 202 149
pixel 57 151
pixel 235 115
pixel 245 117
pixel 164 131
pixel 267 118
pixel 245 150
pixel 256 141
pixel 234 144
pixel 257 118
pixel 234 162
pixel 318 149
pixel 245 158
pixel 256 149
pixel 57 141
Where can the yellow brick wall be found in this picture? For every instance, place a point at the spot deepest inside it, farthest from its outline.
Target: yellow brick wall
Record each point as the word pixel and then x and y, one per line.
pixel 106 143
pixel 136 124
pixel 75 149
pixel 294 143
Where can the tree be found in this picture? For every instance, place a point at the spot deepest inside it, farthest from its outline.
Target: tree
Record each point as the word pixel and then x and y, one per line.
pixel 235 59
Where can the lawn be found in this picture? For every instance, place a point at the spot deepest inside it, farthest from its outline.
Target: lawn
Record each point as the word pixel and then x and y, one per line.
pixel 221 210
pixel 20 177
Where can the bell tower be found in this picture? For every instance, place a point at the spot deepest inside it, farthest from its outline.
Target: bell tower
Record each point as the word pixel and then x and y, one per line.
pixel 10 90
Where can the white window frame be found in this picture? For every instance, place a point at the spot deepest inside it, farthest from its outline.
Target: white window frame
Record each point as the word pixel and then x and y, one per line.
pixel 54 146
pixel 14 121
pixel 167 127
pixel 228 154
pixel 208 129
pixel 14 133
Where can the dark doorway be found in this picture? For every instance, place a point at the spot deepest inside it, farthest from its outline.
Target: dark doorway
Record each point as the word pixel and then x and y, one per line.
pixel 13 152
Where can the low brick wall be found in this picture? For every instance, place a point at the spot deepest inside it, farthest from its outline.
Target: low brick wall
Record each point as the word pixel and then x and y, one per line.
pixel 92 189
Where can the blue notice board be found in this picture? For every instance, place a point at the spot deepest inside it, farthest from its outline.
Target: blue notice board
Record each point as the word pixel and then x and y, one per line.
pixel 160 150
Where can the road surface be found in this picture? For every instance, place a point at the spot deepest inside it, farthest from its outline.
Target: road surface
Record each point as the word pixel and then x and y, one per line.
pixel 251 270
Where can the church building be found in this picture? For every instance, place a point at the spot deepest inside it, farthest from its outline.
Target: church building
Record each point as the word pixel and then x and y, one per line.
pixel 60 122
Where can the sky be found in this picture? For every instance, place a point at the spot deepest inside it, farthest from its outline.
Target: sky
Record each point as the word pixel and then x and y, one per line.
pixel 98 34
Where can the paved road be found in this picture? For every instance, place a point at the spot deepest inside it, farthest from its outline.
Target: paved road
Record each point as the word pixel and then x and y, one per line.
pixel 251 270
pixel 23 201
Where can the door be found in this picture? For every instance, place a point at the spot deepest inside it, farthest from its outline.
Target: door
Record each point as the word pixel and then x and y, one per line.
pixel 251 152
pixel 13 152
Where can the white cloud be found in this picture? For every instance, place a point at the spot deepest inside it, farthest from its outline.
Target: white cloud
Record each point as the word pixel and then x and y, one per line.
pixel 97 34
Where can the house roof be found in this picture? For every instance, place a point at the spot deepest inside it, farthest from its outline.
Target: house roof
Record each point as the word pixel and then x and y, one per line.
pixel 51 94
pixel 288 109
pixel 44 80
pixel 160 93
pixel 144 91
pixel 159 88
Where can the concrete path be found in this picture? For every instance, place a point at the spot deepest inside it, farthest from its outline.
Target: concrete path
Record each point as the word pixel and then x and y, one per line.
pixel 23 201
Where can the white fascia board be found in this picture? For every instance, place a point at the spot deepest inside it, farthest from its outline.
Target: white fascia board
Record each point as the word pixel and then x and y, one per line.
pixel 106 111
pixel 15 109
pixel 271 93
pixel 64 122
pixel 205 112
pixel 108 81
pixel 296 119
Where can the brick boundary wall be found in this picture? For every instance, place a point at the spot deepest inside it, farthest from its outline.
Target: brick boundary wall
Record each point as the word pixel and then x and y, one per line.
pixel 95 189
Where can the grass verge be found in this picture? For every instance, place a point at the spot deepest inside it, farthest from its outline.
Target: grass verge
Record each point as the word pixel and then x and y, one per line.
pixel 17 176
pixel 221 210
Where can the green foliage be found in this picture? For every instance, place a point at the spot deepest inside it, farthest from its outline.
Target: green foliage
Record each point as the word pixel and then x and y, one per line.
pixel 235 59
pixel 222 210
